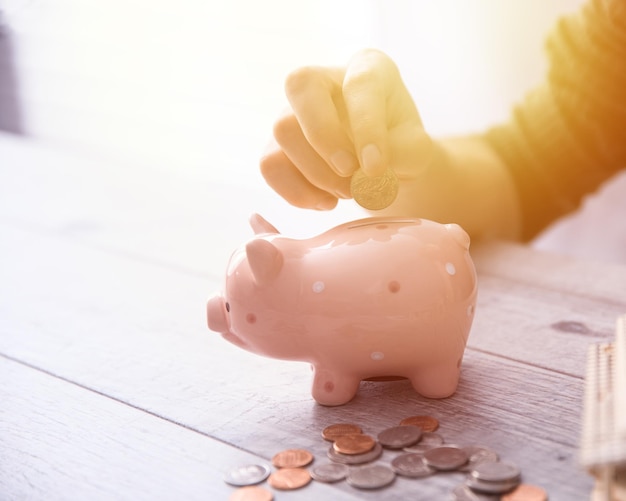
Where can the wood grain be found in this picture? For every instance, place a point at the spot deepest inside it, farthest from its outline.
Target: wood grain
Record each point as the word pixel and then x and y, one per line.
pixel 60 441
pixel 103 339
pixel 105 322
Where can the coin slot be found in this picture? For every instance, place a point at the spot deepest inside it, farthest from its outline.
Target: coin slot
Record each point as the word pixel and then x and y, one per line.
pixel 379 225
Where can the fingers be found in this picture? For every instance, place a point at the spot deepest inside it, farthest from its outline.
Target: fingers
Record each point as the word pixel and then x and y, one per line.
pixel 315 97
pixel 283 177
pixel 343 119
pixel 365 94
pixel 290 137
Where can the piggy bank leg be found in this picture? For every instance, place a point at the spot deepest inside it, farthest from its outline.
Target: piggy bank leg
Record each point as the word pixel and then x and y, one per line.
pixel 332 387
pixel 438 381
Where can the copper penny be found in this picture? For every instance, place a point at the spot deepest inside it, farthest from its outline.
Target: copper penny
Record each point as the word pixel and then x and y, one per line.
pixel 352 459
pixel 292 458
pixel 374 193
pixel 287 479
pixel 526 492
pixel 356 443
pixel 251 493
pixel 334 431
pixel 426 423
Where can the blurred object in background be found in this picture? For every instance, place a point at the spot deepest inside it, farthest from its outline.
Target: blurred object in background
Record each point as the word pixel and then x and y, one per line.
pixel 10 119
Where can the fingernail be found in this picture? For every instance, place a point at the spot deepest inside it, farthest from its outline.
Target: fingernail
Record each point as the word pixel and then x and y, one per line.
pixel 371 160
pixel 343 162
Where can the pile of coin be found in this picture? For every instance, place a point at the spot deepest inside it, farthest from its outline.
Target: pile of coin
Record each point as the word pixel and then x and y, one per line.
pixel 421 453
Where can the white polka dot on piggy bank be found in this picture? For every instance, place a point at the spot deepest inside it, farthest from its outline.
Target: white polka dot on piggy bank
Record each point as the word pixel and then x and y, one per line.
pixel 369 298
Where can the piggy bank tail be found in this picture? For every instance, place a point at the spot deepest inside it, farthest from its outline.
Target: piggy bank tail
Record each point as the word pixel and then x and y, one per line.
pixel 459 234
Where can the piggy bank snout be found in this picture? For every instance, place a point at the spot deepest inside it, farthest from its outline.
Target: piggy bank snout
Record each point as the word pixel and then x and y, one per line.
pixel 217 315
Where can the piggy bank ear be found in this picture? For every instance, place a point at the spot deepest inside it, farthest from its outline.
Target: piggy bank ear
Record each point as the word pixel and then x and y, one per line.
pixel 459 235
pixel 261 225
pixel 265 260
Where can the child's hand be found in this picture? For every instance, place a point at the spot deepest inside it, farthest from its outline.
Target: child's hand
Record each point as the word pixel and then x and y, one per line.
pixel 342 119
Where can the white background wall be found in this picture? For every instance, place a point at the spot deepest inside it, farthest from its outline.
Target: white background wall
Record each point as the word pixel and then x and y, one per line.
pixel 181 84
pixel 193 86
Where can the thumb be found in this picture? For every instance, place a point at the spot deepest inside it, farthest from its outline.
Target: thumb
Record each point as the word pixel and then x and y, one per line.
pixel 364 95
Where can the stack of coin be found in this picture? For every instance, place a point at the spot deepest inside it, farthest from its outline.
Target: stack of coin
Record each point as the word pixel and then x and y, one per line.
pixel 420 452
pixel 494 477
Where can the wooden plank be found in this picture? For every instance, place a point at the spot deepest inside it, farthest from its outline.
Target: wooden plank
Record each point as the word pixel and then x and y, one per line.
pixel 60 441
pixel 135 331
pixel 97 287
pixel 548 270
pixel 104 280
pixel 540 326
pixel 176 218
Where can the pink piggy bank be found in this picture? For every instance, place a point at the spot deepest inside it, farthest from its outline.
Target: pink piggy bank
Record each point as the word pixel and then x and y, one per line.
pixel 367 299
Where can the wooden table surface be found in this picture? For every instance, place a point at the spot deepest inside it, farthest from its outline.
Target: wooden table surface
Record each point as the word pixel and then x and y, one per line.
pixel 112 386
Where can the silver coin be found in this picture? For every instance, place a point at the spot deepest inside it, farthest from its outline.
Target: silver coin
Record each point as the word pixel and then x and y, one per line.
pixel 373 476
pixel 495 487
pixel 411 465
pixel 429 440
pixel 478 455
pixel 367 457
pixel 445 458
pixel 495 472
pixel 249 474
pixel 464 493
pixel 398 437
pixel 329 472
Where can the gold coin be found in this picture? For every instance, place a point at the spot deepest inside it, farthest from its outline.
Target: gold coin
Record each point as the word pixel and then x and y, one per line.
pixel 334 431
pixel 292 458
pixel 251 493
pixel 374 193
pixel 426 423
pixel 287 479
pixel 526 492
pixel 356 443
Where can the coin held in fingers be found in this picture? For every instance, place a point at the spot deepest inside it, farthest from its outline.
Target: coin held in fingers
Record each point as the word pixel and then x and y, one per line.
pixel 374 193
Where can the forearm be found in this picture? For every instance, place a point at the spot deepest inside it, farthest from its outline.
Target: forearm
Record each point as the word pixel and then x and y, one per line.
pixel 467 183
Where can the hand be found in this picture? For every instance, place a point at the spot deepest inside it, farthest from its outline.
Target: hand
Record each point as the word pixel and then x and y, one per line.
pixel 342 119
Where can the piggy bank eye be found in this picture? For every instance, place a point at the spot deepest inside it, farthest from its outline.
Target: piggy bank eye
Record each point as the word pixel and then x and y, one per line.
pixel 228 306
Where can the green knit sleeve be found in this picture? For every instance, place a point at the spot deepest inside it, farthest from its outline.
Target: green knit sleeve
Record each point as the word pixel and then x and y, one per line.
pixel 568 135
